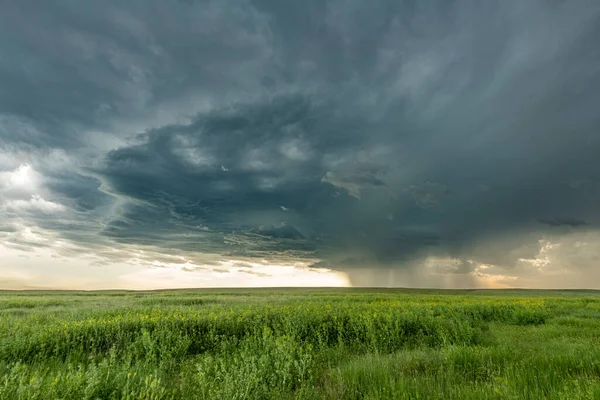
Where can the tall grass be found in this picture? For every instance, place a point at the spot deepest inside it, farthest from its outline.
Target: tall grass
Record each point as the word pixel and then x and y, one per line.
pixel 298 344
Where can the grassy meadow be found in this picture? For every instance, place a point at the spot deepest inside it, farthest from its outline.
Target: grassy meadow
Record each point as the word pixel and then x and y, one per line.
pixel 300 344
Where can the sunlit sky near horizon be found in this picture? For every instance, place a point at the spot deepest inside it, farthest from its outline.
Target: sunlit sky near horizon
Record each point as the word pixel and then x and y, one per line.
pixel 182 143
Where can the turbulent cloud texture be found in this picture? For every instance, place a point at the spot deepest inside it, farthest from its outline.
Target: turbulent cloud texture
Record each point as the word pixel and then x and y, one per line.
pixel 405 143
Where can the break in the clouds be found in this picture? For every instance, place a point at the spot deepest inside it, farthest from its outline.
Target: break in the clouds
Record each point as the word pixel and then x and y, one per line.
pixel 404 143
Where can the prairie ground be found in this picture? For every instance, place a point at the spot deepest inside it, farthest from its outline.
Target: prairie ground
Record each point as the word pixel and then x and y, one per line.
pixel 300 344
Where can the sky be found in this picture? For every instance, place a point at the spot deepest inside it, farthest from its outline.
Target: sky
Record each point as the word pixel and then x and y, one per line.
pixel 181 143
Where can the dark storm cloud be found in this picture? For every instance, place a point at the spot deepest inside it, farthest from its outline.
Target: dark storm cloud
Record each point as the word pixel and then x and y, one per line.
pixel 282 231
pixel 85 66
pixel 564 221
pixel 355 134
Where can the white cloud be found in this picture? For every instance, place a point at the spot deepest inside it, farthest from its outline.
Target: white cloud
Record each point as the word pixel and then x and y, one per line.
pixel 21 192
pixel 35 203
pixel 22 180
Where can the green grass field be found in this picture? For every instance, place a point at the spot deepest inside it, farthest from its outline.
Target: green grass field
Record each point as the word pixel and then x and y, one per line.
pixel 300 343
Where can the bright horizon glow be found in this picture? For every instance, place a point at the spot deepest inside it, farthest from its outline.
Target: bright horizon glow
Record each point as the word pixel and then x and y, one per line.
pixel 46 270
pixel 60 273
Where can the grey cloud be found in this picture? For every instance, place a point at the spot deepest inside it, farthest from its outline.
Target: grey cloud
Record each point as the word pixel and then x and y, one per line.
pixel 249 272
pixel 8 228
pixel 563 221
pixel 428 194
pixel 282 231
pixel 86 66
pixel 218 130
pixel 352 181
